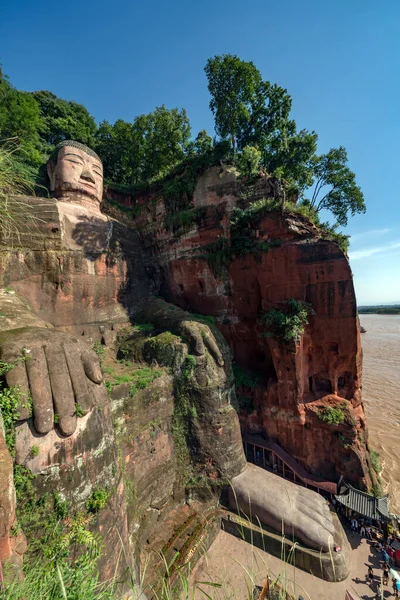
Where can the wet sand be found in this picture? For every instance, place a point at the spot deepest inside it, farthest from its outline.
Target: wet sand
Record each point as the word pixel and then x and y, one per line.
pixel 381 396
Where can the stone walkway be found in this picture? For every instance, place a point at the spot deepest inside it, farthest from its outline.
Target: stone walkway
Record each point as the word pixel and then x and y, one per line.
pixel 238 567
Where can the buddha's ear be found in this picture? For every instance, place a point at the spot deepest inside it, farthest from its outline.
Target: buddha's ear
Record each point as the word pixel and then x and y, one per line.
pixel 51 172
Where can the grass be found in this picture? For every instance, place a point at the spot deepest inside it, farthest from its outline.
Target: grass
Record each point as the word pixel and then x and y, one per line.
pixel 376 462
pixel 124 371
pixel 58 576
pixel 15 214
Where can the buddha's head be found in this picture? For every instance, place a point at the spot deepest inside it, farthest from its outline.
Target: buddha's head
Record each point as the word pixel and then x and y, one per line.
pixel 76 173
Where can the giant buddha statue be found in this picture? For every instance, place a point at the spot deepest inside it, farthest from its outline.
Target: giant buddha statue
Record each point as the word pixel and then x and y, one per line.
pixel 82 280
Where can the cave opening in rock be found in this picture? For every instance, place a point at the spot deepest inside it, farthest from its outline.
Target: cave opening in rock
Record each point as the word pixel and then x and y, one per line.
pixel 346 385
pixel 323 383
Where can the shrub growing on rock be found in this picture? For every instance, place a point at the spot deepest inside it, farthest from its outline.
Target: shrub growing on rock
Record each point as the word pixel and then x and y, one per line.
pixel 287 324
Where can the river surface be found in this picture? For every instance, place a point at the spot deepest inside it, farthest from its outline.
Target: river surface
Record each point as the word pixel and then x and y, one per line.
pixel 381 396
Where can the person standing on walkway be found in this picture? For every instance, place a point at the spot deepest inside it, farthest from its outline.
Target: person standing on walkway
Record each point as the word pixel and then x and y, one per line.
pixel 370 576
pixel 385 577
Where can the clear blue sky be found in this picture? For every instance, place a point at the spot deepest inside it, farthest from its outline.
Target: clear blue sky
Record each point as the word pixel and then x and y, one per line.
pixel 339 60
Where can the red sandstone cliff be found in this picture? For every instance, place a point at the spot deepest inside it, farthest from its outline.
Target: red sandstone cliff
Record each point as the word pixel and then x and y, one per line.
pixel 188 261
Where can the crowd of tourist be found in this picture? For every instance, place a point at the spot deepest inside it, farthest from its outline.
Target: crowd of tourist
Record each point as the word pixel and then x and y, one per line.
pixel 382 536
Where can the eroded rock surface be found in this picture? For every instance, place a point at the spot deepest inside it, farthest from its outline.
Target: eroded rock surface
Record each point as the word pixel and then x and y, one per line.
pixel 83 277
pixel 199 269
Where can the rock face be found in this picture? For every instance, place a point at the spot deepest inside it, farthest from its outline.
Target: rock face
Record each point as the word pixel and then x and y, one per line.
pixel 284 257
pixel 159 449
pixel 141 450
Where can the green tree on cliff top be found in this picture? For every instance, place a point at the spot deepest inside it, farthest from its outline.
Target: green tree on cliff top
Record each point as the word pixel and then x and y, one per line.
pixel 232 84
pixel 63 120
pixel 256 113
pixel 137 152
pixel 20 118
pixel 335 187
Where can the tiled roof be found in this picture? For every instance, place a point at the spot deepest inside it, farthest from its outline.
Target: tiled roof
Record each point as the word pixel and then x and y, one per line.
pixel 363 503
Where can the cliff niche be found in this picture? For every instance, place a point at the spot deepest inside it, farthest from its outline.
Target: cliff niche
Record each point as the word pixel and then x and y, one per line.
pixel 117 332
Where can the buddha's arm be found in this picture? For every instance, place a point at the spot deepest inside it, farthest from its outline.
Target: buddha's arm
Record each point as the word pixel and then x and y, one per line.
pixel 15 313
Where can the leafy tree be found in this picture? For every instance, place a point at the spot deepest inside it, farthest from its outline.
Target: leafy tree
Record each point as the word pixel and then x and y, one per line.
pixel 290 156
pixel 232 84
pixel 268 118
pixel 139 151
pixel 203 142
pixel 63 120
pixel 248 162
pixel 335 187
pixel 114 144
pixel 20 118
pixel 165 138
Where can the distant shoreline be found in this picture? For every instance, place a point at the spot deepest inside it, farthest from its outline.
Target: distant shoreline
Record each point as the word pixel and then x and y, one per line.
pixel 394 309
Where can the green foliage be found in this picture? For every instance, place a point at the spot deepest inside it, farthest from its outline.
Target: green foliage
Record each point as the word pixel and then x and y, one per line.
pixel 375 459
pixel 15 213
pixel 63 120
pixel 218 256
pixel 23 478
pixel 243 225
pixel 248 162
pixel 156 147
pixel 145 149
pixel 287 324
pixel 34 451
pixel 232 84
pixel 205 318
pixel 20 119
pixel 182 221
pixel 188 367
pixel 342 195
pixel 100 350
pixel 97 500
pixel 331 415
pixel 10 404
pixel 10 401
pixel 62 554
pixel 203 142
pixel 142 327
pixel 244 377
pixel 341 239
pixel 79 410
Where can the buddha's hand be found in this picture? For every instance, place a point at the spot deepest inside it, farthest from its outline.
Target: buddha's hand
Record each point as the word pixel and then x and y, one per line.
pixel 284 506
pixel 200 338
pixel 60 375
pixel 193 330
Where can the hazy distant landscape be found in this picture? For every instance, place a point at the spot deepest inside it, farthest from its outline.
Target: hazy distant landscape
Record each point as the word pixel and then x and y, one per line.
pixel 380 309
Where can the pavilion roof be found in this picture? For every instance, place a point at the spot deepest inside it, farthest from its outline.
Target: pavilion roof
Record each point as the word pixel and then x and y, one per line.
pixel 363 503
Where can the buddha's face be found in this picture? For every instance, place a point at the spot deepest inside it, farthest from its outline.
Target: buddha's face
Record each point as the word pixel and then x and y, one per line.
pixel 77 175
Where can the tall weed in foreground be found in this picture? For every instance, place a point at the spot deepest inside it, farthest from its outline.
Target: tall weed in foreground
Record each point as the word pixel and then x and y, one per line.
pixel 14 212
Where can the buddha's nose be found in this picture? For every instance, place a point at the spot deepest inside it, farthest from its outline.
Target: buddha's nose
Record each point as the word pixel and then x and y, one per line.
pixel 86 174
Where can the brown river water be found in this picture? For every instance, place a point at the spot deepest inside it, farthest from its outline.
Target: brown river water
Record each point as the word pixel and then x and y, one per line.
pixel 381 396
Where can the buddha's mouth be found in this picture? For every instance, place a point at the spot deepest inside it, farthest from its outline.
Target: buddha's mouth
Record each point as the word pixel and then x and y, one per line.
pixel 90 185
